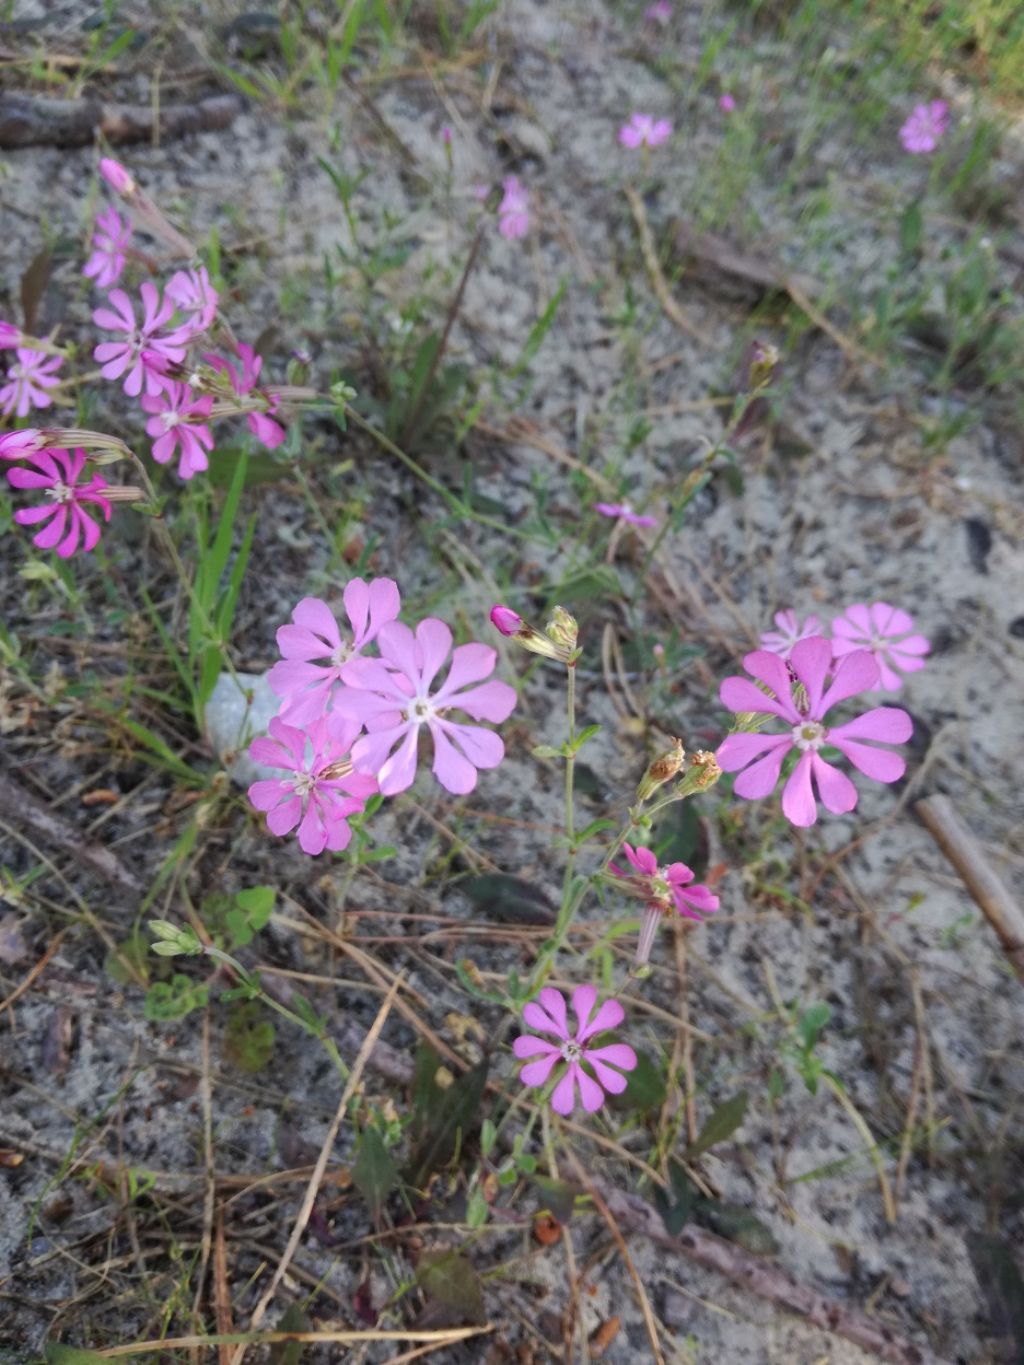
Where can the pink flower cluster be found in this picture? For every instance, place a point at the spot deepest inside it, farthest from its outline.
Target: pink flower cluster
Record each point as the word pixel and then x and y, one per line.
pixel 348 714
pixel 925 127
pixel 798 678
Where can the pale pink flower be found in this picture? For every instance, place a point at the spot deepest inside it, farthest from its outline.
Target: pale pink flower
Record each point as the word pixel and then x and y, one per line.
pixel 192 291
pixel 323 791
pixel 243 380
pixel 10 336
pixel 588 1069
pixel 669 884
pixel 643 130
pixel 15 445
pixel 392 698
pixel 658 13
pixel 790 630
pixel 110 244
pixel 147 351
pixel 57 473
pixel 888 632
pixel 117 177
pixel 28 380
pixel 624 512
pixel 306 685
pixel 514 209
pixel 178 420
pixel 925 126
pixel 446 135
pixel 726 103
pixel 798 696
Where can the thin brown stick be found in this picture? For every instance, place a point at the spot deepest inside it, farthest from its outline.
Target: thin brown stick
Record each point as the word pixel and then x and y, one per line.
pixel 650 255
pixel 450 1336
pixel 962 849
pixel 40 966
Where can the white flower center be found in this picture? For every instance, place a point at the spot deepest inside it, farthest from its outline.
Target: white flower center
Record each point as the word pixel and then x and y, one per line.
pixel 420 711
pixel 809 735
pixel 303 784
pixel 341 655
pixel 60 492
pixel 170 419
pixel 571 1052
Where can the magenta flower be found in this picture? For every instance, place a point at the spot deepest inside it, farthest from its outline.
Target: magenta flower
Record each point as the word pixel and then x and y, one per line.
pixel 147 351
pixel 322 793
pixel 15 445
pixel 192 291
pixel 624 512
pixel 607 1063
pixel 58 473
pixel 506 620
pixel 643 130
pixel 514 209
pixel 243 381
pixel 305 685
pixel 658 13
pixel 790 631
pixel 110 244
pixel 726 103
pixel 10 336
pixel 117 177
pixel 798 696
pixel 925 126
pixel 888 633
pixel 28 380
pixel 392 698
pixel 179 420
pixel 669 884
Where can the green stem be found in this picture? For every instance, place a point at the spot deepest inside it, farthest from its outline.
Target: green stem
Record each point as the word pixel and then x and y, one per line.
pixel 570 777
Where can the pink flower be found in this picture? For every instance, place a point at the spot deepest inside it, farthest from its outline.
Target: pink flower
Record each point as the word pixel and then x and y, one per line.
pixel 147 351
pixel 803 710
pixel 324 791
pixel 446 135
pixel 15 445
pixel 624 512
pixel 58 472
pixel 178 421
pixel 110 242
pixel 726 103
pixel 10 336
pixel 888 633
pixel 117 177
pixel 925 126
pixel 790 630
pixel 658 13
pixel 243 381
pixel 506 620
pixel 192 291
pixel 668 884
pixel 514 210
pixel 392 697
pixel 606 1063
pixel 306 686
pixel 643 130
pixel 30 376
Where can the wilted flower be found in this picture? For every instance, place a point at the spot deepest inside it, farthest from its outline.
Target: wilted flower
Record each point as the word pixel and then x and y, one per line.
pixel 591 1070
pixel 925 126
pixel 888 633
pixel 110 243
pixel 28 380
pixel 178 420
pixel 243 381
pixel 514 209
pixel 790 630
pixel 643 130
pixel 57 474
pixel 670 885
pixel 391 696
pixel 795 692
pixel 322 793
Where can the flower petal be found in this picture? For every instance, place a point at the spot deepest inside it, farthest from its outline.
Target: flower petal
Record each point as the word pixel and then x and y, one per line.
pixel 760 778
pixel 837 792
pixel 855 673
pixel 798 803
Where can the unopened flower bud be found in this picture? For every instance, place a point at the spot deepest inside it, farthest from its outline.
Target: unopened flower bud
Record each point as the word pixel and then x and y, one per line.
pixel 764 357
pixel 660 770
pixel 511 624
pixel 701 775
pixel 10 336
pixel 117 177
pixel 562 628
pixel 506 620
pixel 15 445
pixel 174 940
pixel 110 448
pixel 124 492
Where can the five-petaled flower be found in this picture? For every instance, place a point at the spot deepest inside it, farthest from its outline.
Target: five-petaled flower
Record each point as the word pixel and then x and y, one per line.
pixel 58 472
pixel 925 126
pixel 192 291
pixel 178 419
pixel 110 245
pixel 391 696
pixel 28 380
pixel 588 1069
pixel 243 381
pixel 147 351
pixel 644 130
pixel 514 209
pixel 797 695
pixel 322 791
pixel 622 511
pixel 306 685
pixel 888 632
pixel 790 631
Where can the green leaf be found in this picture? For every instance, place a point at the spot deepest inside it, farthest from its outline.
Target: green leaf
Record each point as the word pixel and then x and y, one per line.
pixel 508 899
pixel 811 1022
pixel 374 1175
pixel 911 229
pixel 450 1281
pixel 288 1352
pixel 737 1224
pixel 645 1086
pixel 56 1354
pixel 588 733
pixel 559 1196
pixel 441 1117
pixel 675 1204
pixel 721 1124
pixel 546 751
pixel 174 999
